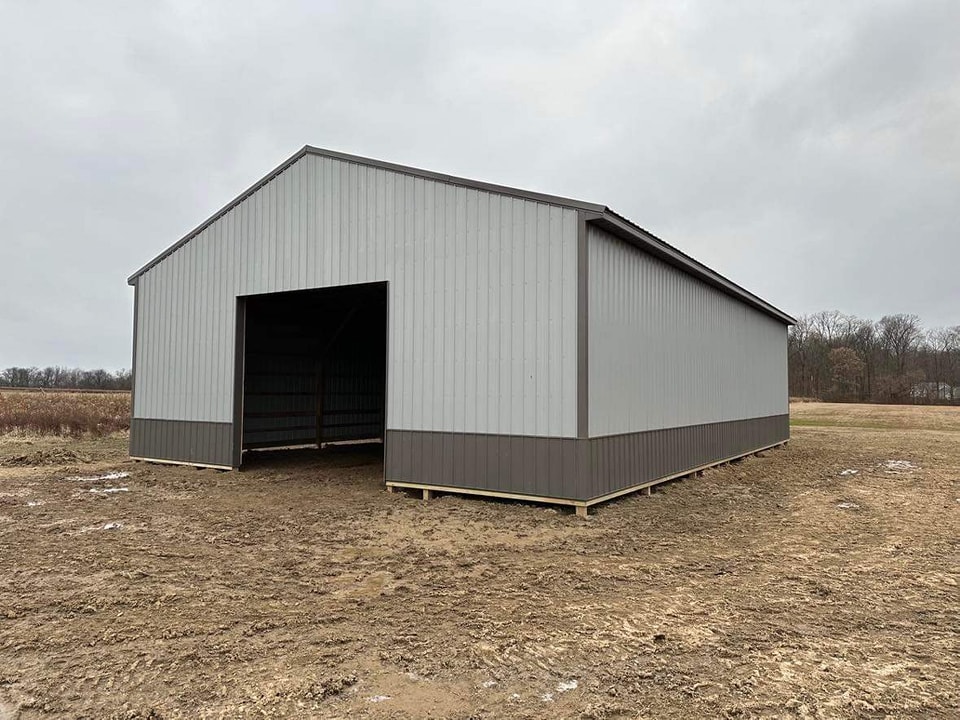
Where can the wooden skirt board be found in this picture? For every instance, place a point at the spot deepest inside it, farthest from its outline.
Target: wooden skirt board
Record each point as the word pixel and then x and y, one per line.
pixel 580 505
pixel 181 462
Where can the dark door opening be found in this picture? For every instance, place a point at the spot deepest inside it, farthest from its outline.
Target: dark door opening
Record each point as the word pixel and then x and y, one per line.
pixel 314 367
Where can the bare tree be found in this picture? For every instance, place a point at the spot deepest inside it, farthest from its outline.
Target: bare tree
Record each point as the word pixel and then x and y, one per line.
pixel 900 334
pixel 67 378
pixel 847 370
pixel 894 360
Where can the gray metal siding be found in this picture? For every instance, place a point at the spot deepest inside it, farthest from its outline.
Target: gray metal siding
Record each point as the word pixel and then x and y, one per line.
pixel 483 296
pixel 667 350
pixel 205 443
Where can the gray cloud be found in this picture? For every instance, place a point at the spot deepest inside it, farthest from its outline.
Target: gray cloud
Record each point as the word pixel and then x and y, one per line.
pixel 807 150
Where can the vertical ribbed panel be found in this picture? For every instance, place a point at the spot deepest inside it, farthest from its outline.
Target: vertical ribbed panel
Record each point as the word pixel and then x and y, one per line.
pixel 204 443
pixel 667 350
pixel 622 461
pixel 539 466
pixel 482 296
pixel 572 469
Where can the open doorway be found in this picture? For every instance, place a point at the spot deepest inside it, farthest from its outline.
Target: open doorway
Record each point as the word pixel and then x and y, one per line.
pixel 314 367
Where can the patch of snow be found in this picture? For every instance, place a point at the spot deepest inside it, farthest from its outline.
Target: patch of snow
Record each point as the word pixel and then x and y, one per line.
pixel 109 490
pixel 848 506
pixel 96 478
pixel 113 526
pixel 849 472
pixel 378 698
pixel 515 696
pixel 488 683
pixel 567 686
pixel 547 697
pixel 35 503
pixel 896 466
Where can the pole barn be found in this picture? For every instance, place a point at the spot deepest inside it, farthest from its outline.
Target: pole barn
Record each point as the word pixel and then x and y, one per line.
pixel 499 342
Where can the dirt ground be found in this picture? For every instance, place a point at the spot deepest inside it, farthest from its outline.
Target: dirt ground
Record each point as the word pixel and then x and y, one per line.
pixel 820 580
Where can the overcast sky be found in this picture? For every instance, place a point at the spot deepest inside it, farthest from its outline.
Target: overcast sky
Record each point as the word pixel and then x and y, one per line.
pixel 810 151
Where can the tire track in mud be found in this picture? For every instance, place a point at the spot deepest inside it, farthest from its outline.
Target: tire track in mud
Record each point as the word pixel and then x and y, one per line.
pixel 306 589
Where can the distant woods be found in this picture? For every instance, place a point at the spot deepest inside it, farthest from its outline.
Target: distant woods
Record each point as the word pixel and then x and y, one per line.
pixel 832 356
pixel 843 358
pixel 65 378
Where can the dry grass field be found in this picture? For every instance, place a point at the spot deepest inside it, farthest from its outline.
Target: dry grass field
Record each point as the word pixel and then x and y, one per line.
pixel 817 581
pixel 64 413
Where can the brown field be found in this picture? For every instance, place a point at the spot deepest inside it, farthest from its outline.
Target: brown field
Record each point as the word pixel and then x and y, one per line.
pixel 888 417
pixel 785 586
pixel 73 414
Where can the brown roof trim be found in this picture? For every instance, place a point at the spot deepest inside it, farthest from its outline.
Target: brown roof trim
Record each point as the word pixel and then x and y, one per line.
pixel 229 206
pixel 621 227
pixel 454 180
pixel 370 162
pixel 599 215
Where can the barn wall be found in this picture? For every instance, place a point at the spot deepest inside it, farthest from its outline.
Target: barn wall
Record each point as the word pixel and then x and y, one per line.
pixel 568 468
pixel 667 350
pixel 203 443
pixel 482 297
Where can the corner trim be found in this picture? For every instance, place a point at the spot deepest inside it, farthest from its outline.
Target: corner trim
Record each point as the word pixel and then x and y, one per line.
pixel 239 358
pixel 583 332
pixel 133 360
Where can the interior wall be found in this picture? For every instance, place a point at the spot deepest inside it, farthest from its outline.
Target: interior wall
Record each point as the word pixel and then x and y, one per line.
pixel 315 366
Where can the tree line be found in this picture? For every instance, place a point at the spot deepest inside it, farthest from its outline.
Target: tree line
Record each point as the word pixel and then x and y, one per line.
pixel 832 356
pixel 55 377
pixel 843 358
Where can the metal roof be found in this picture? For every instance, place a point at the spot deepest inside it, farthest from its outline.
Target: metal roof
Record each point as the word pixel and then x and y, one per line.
pixel 597 214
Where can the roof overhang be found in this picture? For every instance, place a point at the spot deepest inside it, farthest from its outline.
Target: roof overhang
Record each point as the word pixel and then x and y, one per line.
pixel 649 243
pixel 369 162
pixel 599 215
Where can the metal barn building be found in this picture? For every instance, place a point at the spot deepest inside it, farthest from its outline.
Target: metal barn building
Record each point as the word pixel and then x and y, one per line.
pixel 499 341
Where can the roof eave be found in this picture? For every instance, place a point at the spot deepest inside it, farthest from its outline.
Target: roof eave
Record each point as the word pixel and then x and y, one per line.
pixel 370 162
pixel 634 234
pixel 600 215
pixel 226 208
pixel 455 180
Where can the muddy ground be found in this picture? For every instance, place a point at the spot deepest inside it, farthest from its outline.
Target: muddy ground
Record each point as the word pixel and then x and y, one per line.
pixel 783 586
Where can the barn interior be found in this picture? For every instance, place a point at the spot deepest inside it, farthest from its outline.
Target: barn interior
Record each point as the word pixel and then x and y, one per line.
pixel 314 369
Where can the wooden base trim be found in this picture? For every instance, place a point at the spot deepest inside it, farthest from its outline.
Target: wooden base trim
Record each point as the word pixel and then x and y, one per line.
pixel 182 462
pixel 484 493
